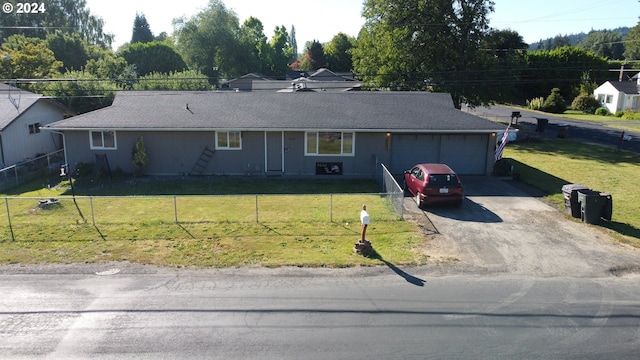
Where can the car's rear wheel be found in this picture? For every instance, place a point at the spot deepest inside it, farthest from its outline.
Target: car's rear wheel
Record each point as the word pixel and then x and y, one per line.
pixel 419 199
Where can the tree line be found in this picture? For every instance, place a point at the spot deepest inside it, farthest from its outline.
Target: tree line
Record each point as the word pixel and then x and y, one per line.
pixel 424 45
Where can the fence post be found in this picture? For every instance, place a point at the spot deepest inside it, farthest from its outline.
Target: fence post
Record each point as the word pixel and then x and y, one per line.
pixel 93 219
pixel 6 201
pixel 331 207
pixel 257 219
pixel 175 208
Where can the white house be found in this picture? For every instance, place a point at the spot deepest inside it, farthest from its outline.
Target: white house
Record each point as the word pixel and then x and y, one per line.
pixel 619 95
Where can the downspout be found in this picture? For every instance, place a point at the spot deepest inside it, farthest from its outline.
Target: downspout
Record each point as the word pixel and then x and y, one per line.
pixel 64 147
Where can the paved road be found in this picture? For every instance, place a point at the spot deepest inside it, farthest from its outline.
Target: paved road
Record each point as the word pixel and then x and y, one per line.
pixel 584 130
pixel 386 313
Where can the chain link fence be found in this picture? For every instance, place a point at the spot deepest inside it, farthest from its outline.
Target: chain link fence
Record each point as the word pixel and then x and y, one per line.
pixel 45 166
pixel 393 191
pixel 39 218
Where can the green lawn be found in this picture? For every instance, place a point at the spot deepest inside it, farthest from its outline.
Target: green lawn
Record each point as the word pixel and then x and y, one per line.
pixel 550 164
pixel 212 231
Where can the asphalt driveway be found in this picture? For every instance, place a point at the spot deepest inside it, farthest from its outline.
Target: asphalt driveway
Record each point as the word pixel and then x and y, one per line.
pixel 502 229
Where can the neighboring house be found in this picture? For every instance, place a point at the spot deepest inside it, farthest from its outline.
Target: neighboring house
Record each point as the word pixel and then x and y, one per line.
pixel 295 134
pixel 320 80
pixel 619 95
pixel 22 113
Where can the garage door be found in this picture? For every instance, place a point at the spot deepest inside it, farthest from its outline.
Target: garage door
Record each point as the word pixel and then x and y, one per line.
pixel 466 154
pixel 408 150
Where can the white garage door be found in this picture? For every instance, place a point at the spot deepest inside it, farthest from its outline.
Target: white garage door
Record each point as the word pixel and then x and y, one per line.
pixel 466 154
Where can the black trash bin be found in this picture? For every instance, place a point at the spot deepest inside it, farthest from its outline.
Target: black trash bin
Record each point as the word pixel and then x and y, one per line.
pixel 591 206
pixel 571 205
pixel 542 124
pixel 563 131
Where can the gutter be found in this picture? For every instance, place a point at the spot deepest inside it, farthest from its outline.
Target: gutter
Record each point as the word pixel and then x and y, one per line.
pixel 415 131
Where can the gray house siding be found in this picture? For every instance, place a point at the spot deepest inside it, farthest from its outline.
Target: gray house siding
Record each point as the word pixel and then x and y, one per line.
pixel 175 153
pixel 461 152
pixel 19 143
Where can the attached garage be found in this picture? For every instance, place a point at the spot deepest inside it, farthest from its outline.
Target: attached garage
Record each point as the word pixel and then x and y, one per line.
pixel 459 151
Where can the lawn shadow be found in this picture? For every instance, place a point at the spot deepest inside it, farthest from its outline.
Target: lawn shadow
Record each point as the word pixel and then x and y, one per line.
pixel 408 277
pixel 621 228
pixel 552 185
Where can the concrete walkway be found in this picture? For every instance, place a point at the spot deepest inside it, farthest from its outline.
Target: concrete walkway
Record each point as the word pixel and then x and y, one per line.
pixel 588 131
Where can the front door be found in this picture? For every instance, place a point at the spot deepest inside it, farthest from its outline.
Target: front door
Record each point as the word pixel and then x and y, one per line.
pixel 274 154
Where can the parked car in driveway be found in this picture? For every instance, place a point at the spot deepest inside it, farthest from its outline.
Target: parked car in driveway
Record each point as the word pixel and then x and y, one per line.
pixel 433 183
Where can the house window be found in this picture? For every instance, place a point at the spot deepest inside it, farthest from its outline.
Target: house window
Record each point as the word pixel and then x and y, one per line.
pixel 228 140
pixel 609 99
pixel 330 143
pixel 34 128
pixel 103 140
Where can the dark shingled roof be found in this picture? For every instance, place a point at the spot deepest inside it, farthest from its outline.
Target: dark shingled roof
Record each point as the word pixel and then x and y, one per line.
pixel 194 111
pixel 627 87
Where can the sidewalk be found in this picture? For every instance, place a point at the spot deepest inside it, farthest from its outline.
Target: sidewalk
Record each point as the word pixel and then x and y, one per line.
pixel 587 131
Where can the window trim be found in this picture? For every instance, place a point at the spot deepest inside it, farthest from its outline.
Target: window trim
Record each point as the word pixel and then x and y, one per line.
pixel 317 142
pixel 102 147
pixel 218 147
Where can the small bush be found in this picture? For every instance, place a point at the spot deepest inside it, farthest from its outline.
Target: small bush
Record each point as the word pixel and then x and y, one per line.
pixel 619 113
pixel 631 115
pixel 602 111
pixel 535 103
pixel 554 103
pixel 585 103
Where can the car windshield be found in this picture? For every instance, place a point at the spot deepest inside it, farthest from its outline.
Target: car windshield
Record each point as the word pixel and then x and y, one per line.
pixel 443 179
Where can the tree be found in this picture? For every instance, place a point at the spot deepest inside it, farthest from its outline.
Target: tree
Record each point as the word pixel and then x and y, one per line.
pixel 606 44
pixel 554 103
pixel 30 58
pixel 338 52
pixel 209 41
pixel 180 81
pixel 69 16
pixel 632 44
pixel 139 158
pixel 153 56
pixel 313 57
pixel 281 51
pixel 508 51
pixel 293 43
pixel 81 91
pixel 141 30
pixel 426 44
pixel 253 38
pixel 71 49
pixel 562 68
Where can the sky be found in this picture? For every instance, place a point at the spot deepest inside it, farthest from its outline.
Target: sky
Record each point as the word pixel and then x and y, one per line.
pixel 534 20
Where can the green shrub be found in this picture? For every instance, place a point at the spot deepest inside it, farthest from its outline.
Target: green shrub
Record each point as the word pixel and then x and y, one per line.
pixel 585 103
pixel 554 103
pixel 631 115
pixel 602 111
pixel 535 103
pixel 619 113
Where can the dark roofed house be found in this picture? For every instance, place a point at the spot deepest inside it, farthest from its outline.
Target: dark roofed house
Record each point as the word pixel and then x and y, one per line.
pixel 22 114
pixel 619 95
pixel 290 134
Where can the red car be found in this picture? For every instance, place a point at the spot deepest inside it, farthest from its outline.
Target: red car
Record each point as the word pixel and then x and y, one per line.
pixel 434 183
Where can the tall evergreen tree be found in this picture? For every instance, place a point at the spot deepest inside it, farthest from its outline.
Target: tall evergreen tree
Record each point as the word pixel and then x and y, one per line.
pixel 141 30
pixel 293 43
